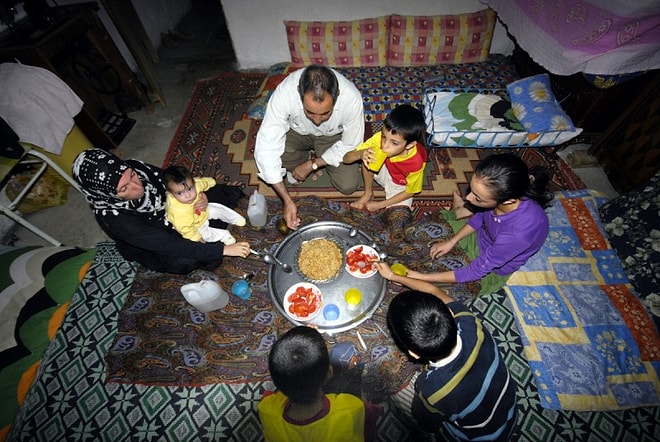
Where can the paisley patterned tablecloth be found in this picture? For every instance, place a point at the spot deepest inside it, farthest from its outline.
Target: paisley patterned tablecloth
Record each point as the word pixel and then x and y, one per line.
pixel 162 340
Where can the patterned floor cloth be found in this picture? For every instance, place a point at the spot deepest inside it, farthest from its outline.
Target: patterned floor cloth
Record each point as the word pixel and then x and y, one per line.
pixel 72 400
pixel 231 345
pixel 216 139
pixel 383 87
pixel 36 286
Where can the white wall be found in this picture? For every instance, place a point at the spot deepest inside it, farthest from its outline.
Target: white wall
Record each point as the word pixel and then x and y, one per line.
pixel 257 28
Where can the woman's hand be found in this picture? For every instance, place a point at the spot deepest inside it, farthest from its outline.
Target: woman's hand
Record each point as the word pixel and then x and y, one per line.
pixel 441 248
pixel 202 202
pixel 241 249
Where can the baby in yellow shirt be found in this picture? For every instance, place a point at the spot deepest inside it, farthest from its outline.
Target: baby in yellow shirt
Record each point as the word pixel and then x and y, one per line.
pixel 182 194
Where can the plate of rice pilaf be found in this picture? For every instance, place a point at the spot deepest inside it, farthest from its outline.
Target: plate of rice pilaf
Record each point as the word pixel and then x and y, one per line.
pixel 319 259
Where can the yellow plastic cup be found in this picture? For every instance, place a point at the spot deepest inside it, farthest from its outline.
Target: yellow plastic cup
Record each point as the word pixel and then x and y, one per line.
pixel 353 297
pixel 378 162
pixel 399 269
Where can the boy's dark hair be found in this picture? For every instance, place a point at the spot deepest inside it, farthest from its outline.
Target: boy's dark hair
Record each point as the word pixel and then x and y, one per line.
pixel 299 364
pixel 408 121
pixel 176 175
pixel 508 177
pixel 423 324
pixel 318 80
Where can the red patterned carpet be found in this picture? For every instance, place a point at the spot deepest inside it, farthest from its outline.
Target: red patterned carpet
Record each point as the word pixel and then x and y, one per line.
pixel 215 138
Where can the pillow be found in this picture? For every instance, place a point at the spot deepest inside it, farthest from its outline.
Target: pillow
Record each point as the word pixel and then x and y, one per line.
pixel 417 40
pixel 536 107
pixel 457 118
pixel 338 43
pixel 275 75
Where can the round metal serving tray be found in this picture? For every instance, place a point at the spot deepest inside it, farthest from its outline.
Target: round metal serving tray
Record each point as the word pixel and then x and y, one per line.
pixel 372 288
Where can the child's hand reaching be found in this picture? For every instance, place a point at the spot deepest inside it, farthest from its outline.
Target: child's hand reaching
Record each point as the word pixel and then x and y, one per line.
pixel 383 268
pixel 441 248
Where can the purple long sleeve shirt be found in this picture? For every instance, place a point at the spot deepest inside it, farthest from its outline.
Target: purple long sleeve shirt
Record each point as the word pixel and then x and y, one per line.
pixel 506 241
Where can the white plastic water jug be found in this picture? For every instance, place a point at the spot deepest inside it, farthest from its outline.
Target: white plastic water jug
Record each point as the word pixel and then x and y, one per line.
pixel 257 210
pixel 205 296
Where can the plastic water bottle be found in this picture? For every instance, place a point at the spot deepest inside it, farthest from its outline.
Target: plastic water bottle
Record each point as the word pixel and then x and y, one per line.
pixel 205 295
pixel 257 210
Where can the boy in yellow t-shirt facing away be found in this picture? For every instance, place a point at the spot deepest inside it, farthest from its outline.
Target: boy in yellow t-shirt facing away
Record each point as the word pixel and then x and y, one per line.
pixel 299 410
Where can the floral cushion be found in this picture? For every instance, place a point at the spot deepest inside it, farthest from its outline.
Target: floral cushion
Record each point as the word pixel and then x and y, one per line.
pixel 338 43
pixel 417 40
pixel 536 107
pixel 633 228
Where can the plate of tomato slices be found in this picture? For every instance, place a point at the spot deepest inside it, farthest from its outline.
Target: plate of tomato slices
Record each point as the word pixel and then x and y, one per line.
pixel 302 301
pixel 359 261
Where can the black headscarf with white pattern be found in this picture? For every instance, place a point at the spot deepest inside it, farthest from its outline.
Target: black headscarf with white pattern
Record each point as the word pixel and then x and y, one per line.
pixel 98 173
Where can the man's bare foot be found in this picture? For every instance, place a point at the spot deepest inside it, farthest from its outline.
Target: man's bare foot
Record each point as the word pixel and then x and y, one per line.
pixel 457 200
pixel 458 205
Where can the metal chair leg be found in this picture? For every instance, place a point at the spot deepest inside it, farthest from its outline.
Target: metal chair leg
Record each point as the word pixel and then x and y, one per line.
pixel 45 161
pixel 57 168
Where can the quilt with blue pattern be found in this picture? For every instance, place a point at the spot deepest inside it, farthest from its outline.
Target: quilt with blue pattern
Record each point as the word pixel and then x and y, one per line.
pixel 589 339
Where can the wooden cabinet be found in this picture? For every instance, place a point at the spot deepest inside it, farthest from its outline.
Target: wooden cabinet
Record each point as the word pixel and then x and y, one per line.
pixel 76 46
pixel 629 150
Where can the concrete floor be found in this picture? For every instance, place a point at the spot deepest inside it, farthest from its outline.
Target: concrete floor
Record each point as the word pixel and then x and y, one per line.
pixel 180 66
pixel 586 167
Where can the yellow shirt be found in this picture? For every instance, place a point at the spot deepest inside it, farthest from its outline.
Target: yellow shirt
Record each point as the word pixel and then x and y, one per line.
pixel 343 423
pixel 183 217
pixel 407 168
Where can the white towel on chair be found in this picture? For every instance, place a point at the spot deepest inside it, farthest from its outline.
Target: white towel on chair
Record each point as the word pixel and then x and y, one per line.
pixel 38 105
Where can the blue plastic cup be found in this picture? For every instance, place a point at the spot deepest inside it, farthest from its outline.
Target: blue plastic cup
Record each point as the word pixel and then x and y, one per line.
pixel 331 312
pixel 241 288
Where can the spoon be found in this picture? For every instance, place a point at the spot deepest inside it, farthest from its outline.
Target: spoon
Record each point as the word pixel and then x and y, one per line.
pixel 270 259
pixel 382 255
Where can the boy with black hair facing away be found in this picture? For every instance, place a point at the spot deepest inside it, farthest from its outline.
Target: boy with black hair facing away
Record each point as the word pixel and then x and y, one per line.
pixel 402 174
pixel 464 391
pixel 299 365
pixel 182 193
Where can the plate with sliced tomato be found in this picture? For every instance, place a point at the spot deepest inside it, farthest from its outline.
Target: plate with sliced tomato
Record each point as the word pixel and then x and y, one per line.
pixel 359 261
pixel 302 301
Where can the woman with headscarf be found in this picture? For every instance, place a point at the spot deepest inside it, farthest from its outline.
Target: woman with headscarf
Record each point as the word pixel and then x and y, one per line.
pixel 128 201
